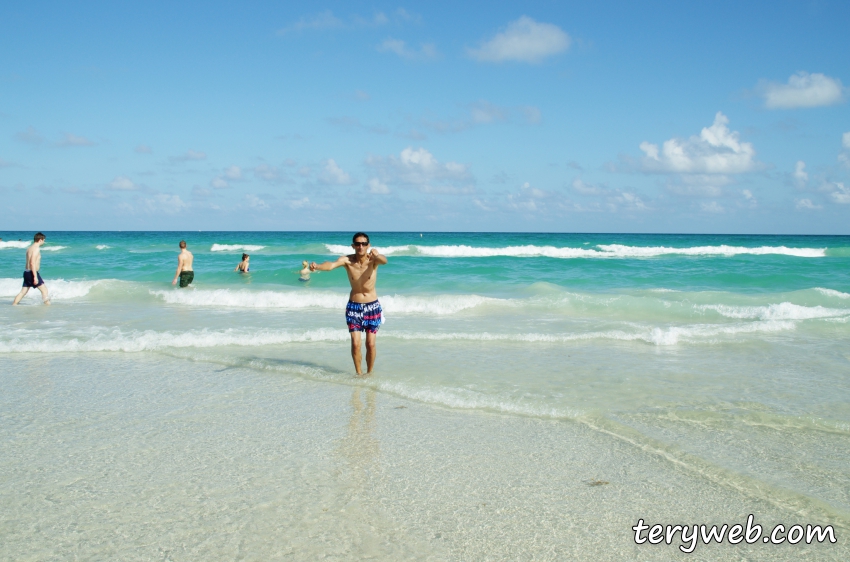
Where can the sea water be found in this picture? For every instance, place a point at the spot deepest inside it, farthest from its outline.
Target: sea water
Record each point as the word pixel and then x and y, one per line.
pixel 722 356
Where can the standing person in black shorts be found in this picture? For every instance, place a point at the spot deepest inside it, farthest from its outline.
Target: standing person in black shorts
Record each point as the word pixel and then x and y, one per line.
pixel 32 275
pixel 185 273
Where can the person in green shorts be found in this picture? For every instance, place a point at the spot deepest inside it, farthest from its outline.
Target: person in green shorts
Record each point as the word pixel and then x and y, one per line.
pixel 185 273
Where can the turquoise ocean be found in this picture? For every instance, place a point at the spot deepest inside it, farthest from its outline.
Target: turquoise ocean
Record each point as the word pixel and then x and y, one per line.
pixel 724 356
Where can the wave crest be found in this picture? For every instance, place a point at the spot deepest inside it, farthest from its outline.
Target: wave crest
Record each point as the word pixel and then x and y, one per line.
pixel 235 248
pixel 603 251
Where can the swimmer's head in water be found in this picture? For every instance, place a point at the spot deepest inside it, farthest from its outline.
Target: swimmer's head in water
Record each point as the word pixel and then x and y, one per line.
pixel 183 244
pixel 245 257
pixel 303 264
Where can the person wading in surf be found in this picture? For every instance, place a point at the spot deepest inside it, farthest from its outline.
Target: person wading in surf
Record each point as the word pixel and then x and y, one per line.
pixel 32 275
pixel 363 312
pixel 185 274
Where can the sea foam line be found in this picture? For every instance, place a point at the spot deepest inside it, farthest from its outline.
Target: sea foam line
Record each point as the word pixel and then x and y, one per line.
pixel 59 289
pixel 604 251
pixel 243 298
pixel 101 339
pixel 235 248
pixel 781 311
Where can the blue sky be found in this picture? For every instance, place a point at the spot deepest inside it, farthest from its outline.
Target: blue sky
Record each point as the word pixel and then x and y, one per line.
pixel 534 116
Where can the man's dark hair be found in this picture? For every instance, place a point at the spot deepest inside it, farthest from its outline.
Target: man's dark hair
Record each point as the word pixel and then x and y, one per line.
pixel 182 243
pixel 38 236
pixel 359 235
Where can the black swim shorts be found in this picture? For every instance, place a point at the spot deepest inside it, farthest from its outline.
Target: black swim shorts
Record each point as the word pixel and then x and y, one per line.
pixel 186 277
pixel 30 282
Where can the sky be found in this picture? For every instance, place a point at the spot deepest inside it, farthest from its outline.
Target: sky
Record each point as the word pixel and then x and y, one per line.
pixel 685 117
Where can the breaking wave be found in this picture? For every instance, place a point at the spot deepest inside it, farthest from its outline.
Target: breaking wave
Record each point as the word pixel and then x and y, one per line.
pixel 235 248
pixel 603 251
pixel 435 305
pixel 781 311
pixel 59 289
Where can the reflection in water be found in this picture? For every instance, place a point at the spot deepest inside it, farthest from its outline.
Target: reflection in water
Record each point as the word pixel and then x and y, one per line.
pixel 360 446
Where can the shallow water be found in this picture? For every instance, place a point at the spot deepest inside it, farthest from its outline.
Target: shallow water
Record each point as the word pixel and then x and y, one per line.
pixel 723 358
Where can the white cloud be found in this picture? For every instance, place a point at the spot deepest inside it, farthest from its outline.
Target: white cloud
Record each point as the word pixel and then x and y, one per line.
pixel 531 114
pixel 807 204
pixel 524 40
pixel 322 20
pixel 426 51
pixel 219 182
pixel 377 186
pixel 841 194
pixel 69 139
pixel 233 173
pixel 717 150
pixel 615 199
pixel 844 157
pixel 699 185
pixel 749 198
pixel 420 169
pixel 485 112
pixel 255 202
pixel 164 203
pixel 30 136
pixel 143 149
pixel 711 207
pixel 800 173
pixel 803 90
pixel 299 203
pixel 332 174
pixel 121 183
pixel 268 173
pixel 190 155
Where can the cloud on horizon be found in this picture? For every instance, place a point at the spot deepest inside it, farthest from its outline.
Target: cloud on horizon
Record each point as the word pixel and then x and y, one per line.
pixel 716 150
pixel 419 169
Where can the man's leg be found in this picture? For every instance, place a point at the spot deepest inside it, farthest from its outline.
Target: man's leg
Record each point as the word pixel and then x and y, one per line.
pixel 44 296
pixel 371 350
pixel 24 291
pixel 355 352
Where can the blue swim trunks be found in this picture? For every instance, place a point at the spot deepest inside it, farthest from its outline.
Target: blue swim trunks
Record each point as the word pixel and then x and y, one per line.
pixel 363 317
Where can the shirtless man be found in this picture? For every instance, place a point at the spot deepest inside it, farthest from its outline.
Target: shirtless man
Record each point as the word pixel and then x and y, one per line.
pixel 363 312
pixel 32 277
pixel 185 273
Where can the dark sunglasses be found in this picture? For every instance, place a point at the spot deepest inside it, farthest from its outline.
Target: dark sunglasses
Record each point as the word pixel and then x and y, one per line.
pixel 360 244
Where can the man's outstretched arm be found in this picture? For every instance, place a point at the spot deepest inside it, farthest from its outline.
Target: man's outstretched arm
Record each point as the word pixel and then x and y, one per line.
pixel 377 258
pixel 329 265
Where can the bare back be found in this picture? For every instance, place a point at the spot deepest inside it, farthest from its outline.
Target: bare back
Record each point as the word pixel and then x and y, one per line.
pixel 34 257
pixel 362 276
pixel 185 259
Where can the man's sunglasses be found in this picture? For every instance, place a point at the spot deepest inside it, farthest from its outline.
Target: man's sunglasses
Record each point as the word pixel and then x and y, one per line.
pixel 360 244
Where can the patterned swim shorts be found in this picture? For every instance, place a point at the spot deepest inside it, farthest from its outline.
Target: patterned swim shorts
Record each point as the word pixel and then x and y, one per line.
pixel 363 317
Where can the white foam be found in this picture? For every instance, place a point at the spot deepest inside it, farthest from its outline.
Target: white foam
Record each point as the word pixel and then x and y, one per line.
pixel 52 248
pixel 243 298
pixel 604 251
pixel 832 293
pixel 235 248
pixel 13 244
pixel 650 251
pixel 781 311
pixel 58 289
pixel 100 339
pixel 102 247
